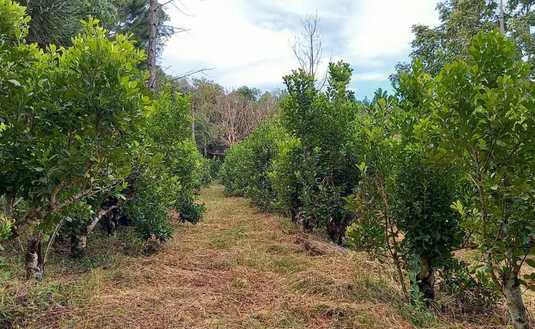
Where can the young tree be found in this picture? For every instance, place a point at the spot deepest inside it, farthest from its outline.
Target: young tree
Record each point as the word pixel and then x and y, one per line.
pixel 322 167
pixel 403 200
pixel 486 114
pixel 461 20
pixel 248 164
pixel 69 117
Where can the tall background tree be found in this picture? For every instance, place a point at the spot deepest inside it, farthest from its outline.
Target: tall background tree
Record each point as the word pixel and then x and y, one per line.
pixel 58 21
pixel 461 20
pixel 222 118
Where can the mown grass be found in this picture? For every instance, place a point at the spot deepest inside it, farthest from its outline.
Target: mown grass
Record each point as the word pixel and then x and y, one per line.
pixel 69 283
pixel 238 268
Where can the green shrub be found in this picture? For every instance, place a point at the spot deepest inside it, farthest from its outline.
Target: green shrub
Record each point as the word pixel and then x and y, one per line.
pixel 68 120
pixel 169 170
pixel 155 195
pixel 13 21
pixel 284 177
pixel 246 168
pixel 320 170
pixel 233 169
pixel 422 196
pixel 209 170
pixel 304 164
pixel 404 200
pixel 484 112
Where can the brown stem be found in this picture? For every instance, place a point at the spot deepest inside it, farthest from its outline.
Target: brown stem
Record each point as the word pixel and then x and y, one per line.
pixel 391 242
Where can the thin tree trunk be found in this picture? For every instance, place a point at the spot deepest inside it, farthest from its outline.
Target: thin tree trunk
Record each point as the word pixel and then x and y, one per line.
pixel 34 259
pixel 10 205
pixel 152 51
pixel 79 240
pixel 78 244
pixel 391 235
pixel 426 280
pixel 193 123
pixel 502 17
pixel 515 304
pixel 98 217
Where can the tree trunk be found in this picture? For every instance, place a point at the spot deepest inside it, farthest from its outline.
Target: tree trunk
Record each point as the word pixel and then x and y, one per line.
pixel 336 229
pixel 152 51
pixel 78 245
pixel 193 121
pixel 515 304
pixel 34 259
pixel 502 18
pixel 9 208
pixel 79 240
pixel 425 279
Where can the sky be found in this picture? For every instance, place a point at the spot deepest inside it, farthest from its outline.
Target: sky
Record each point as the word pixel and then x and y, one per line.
pixel 249 42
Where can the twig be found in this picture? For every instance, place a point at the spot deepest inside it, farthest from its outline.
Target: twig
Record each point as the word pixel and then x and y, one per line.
pixel 51 240
pixel 188 74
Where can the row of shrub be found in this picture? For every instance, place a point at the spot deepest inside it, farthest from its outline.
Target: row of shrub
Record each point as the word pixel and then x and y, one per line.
pixel 447 161
pixel 83 142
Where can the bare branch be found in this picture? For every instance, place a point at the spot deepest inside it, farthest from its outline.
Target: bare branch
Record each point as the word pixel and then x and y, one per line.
pixel 99 216
pixel 307 48
pixel 190 73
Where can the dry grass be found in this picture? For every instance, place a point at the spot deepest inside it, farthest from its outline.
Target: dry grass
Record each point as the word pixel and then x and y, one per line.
pixel 238 268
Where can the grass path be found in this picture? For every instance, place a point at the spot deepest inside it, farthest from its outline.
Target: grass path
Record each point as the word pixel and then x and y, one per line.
pixel 239 268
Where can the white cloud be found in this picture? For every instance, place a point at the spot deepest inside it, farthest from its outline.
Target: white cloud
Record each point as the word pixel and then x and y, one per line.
pixel 222 38
pixel 248 42
pixel 382 28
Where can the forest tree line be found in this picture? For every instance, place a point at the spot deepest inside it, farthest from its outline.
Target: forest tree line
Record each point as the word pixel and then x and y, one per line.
pixel 222 118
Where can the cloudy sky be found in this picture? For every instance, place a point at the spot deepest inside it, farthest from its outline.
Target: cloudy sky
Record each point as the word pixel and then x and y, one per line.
pixel 248 42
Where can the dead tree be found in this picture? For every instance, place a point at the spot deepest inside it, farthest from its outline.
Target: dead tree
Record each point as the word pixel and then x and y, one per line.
pixel 308 48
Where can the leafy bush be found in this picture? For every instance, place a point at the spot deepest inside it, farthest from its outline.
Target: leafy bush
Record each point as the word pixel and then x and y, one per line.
pixel 484 111
pixel 232 168
pixel 246 168
pixel 423 194
pixel 169 170
pixel 68 118
pixel 284 179
pixel 321 170
pixel 149 210
pixel 209 170
pixel 403 203
pixel 77 124
pixel 13 21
